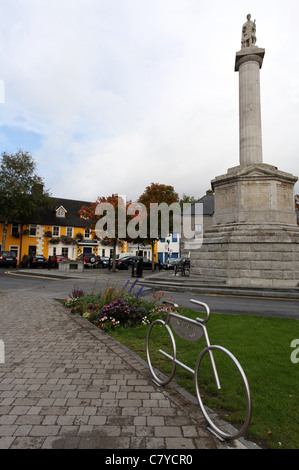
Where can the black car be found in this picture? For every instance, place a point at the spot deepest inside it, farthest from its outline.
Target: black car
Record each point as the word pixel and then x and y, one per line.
pixel 8 258
pixel 126 262
pixel 34 261
pixel 104 262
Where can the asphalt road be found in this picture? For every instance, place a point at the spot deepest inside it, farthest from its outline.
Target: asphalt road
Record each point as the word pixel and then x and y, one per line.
pixel 49 284
pixel 57 286
pixel 284 308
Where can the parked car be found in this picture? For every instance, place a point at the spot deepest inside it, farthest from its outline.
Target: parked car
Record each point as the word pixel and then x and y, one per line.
pixel 90 260
pixel 34 261
pixel 170 263
pixel 8 258
pixel 126 263
pixel 104 262
pixel 56 259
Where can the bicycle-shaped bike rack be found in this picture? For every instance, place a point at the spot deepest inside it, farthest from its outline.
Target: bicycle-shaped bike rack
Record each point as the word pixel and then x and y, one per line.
pixel 193 330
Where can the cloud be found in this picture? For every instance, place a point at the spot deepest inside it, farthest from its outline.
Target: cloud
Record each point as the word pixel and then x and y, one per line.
pixel 111 95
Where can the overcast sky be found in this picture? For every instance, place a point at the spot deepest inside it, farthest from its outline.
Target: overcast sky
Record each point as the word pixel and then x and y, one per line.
pixel 111 95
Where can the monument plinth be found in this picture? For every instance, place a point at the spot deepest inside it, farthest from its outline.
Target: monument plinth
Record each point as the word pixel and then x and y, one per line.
pixel 254 239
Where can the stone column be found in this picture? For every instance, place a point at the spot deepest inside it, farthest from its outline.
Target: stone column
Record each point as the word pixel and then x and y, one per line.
pixel 248 63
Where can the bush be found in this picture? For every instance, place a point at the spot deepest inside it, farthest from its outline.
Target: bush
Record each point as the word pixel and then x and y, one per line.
pixel 114 308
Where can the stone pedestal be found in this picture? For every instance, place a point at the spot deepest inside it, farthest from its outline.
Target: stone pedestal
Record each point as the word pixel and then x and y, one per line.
pixel 259 255
pixel 68 266
pixel 257 194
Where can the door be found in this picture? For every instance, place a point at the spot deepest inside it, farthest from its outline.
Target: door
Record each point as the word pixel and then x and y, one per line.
pixel 32 250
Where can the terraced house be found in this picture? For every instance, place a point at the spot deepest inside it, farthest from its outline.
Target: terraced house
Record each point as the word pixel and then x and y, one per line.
pixel 59 230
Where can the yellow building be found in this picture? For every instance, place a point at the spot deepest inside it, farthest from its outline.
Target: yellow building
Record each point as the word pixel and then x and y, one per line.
pixel 59 231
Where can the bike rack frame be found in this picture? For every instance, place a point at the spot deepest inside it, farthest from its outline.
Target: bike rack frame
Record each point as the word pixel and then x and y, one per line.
pixel 193 330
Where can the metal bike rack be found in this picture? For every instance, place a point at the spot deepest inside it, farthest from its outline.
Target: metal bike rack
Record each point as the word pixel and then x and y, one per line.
pixel 193 330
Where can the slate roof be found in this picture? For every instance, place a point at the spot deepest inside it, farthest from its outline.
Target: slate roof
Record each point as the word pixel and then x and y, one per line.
pixel 71 219
pixel 208 205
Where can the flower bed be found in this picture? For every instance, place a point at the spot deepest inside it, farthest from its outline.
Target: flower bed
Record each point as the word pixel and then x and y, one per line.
pixel 115 308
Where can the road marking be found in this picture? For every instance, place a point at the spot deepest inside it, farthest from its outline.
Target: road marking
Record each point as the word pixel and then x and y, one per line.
pixel 231 295
pixel 32 275
pixel 245 296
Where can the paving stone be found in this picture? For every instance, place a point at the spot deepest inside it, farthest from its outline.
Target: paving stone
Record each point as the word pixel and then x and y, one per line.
pixel 67 385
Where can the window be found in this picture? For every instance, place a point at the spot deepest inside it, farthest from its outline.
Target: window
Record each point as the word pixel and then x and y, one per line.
pixel 15 229
pixel 69 231
pixel 64 251
pixel 103 251
pixel 174 237
pixel 60 212
pixel 15 250
pixel 32 230
pixel 87 233
pixel 55 232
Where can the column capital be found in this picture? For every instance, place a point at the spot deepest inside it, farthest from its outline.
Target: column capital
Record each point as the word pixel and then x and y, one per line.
pixel 248 54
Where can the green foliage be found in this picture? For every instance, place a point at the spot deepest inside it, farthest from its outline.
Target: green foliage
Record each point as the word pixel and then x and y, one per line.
pixel 21 196
pixel 262 346
pixel 112 308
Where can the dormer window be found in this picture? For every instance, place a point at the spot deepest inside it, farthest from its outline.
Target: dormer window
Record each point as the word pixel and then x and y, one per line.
pixel 60 212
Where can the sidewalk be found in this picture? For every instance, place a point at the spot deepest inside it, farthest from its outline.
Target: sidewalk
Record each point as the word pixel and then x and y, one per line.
pixel 67 385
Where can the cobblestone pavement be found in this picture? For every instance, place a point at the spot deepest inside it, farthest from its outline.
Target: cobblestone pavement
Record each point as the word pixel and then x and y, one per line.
pixel 65 384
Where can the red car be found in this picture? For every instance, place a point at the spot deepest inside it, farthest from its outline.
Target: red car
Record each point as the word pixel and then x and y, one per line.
pixel 55 259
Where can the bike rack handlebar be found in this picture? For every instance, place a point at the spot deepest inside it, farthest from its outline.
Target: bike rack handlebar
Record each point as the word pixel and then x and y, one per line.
pixel 207 309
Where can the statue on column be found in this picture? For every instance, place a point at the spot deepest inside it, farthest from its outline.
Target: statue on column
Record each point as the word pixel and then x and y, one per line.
pixel 248 33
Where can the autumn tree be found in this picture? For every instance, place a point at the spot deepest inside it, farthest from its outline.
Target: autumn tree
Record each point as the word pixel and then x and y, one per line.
pixel 152 199
pixel 20 200
pixel 109 218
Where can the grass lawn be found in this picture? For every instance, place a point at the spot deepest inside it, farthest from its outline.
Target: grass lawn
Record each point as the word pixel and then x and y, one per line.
pixel 262 345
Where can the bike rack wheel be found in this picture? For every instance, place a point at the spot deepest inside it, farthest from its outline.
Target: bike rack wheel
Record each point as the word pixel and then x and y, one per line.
pixel 215 428
pixel 159 381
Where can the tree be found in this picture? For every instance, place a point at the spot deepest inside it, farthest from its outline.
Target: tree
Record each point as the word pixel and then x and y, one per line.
pixel 157 194
pixel 20 197
pixel 187 200
pixel 109 218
